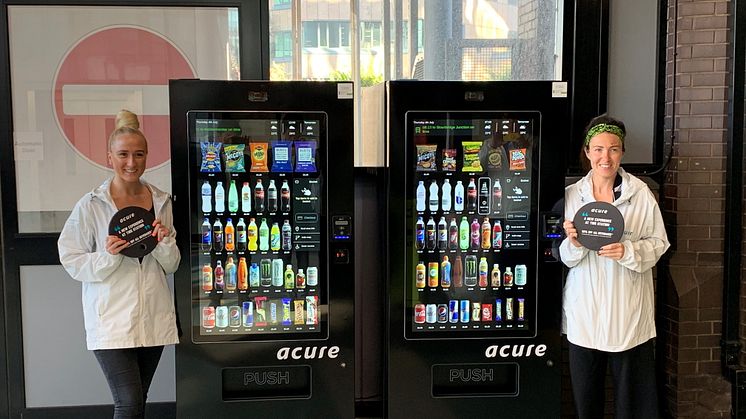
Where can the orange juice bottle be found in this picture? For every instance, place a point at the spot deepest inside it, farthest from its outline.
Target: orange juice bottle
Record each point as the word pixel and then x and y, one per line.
pixel 243 274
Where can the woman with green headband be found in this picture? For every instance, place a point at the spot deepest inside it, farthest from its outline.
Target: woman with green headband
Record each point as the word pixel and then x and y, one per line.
pixel 608 301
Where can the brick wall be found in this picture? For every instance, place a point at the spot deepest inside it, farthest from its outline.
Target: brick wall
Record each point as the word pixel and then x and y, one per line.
pixel 690 319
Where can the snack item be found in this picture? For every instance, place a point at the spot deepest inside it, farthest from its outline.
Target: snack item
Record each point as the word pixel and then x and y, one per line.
pixel 259 157
pixel 234 158
pixel 305 159
pixel 449 159
pixel 426 157
pixel 471 156
pixel 210 156
pixel 281 157
pixel 496 158
pixel 517 159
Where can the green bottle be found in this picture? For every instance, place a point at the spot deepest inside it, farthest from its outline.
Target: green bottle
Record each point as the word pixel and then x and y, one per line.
pixel 263 235
pixel 463 234
pixel 233 197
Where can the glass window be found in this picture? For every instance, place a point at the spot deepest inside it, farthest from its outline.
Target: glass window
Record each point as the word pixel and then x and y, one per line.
pixel 281 4
pixel 283 45
pixel 310 34
pixel 72 68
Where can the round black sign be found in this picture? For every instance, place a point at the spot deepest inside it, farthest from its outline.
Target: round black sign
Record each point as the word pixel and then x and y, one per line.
pixel 135 225
pixel 598 224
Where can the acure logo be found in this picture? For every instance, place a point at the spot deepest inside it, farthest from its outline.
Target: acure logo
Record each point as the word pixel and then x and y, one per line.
pixel 515 351
pixel 307 352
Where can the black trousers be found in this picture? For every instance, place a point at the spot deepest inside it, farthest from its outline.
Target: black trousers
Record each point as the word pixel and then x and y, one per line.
pixel 633 373
pixel 129 373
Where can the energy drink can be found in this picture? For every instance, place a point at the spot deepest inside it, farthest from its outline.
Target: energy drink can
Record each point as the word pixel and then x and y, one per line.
pixel 476 312
pixel 312 307
pixel 519 277
pixel 208 317
pixel 286 319
pixel 521 309
pixel 498 310
pixel 265 270
pixel 464 310
pixel 509 309
pixel 234 316
pixel 248 313
pixel 453 311
pixel 419 313
pixel 442 313
pixel 221 316
pixel 278 269
pixel 431 313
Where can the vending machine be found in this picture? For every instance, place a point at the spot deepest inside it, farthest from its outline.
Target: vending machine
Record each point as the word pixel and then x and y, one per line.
pixel 476 179
pixel 263 204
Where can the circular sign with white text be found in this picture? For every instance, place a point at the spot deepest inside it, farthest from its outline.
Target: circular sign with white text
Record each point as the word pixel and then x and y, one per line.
pixel 135 225
pixel 598 224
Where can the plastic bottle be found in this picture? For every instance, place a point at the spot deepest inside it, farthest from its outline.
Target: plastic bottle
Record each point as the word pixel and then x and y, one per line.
pixel 207 277
pixel 419 229
pixel 274 237
pixel 259 196
pixel 272 196
pixel 442 234
pixel 458 196
pixel 497 235
pixel 445 201
pixel 233 197
pixel 508 277
pixel 497 197
pixel 300 279
pixel 471 196
pixel 475 242
pixel 230 236
pixel 430 234
pixel 421 196
pixel 486 234
pixel 241 235
pixel 219 276
pixel 289 277
pixel 445 273
pixel 432 199
pixel 263 235
pixel 243 274
pixel 219 198
pixel 246 198
pixel 483 272
pixel 463 234
pixel 453 235
pixel 206 198
pixel 217 236
pixel 457 277
pixel 287 236
pixel 285 196
pixel 206 244
pixel 495 277
pixel 231 277
pixel 252 235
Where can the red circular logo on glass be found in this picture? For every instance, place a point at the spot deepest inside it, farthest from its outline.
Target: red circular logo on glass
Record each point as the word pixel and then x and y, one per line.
pixel 112 69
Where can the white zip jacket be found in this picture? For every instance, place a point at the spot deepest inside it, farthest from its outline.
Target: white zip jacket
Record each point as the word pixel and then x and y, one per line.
pixel 126 304
pixel 608 305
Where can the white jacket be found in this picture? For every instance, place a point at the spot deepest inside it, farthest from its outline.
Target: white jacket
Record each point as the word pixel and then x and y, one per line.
pixel 608 305
pixel 126 304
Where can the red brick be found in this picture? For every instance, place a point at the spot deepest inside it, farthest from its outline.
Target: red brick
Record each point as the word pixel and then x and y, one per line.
pixel 706 245
pixel 696 65
pixel 694 177
pixel 709 341
pixel 702 50
pixel 710 259
pixel 708 108
pixel 695 328
pixel 716 232
pixel 710 22
pixel 694 93
pixel 707 314
pixel 711 191
pixel 720 93
pixel 722 8
pixel 688 232
pixel 721 35
pixel 709 367
pixel 701 163
pixel 694 150
pixel 706 218
pixel 696 9
pixel 693 204
pixel 688 315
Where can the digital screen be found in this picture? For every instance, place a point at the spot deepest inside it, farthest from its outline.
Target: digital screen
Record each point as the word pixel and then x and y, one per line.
pixel 471 233
pixel 259 264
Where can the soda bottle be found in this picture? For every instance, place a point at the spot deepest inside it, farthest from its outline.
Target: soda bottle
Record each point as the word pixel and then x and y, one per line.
pixel 272 196
pixel 243 274
pixel 471 196
pixel 497 197
pixel 231 278
pixel 206 243
pixel 508 277
pixel 217 235
pixel 445 273
pixel 245 198
pixel 219 198
pixel 289 277
pixel 483 272
pixel 241 235
pixel 495 277
pixel 445 201
pixel 453 235
pixel 300 279
pixel 421 196
pixel 442 234
pixel 483 201
pixel 458 198
pixel 259 196
pixel 486 233
pixel 207 277
pixel 252 235
pixel 232 197
pixel 219 276
pixel 274 235
pixel 463 234
pixel 285 196
pixel 206 197
pixel 263 235
pixel 419 234
pixel 430 237
pixel 457 278
pixel 287 236
pixel 470 271
pixel 433 198
pixel 475 234
pixel 230 236
pixel 420 275
pixel 254 275
pixel 497 235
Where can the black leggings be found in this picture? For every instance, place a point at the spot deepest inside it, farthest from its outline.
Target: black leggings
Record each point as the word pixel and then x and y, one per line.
pixel 633 373
pixel 129 373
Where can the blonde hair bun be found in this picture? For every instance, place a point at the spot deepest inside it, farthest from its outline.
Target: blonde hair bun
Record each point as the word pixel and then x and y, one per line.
pixel 126 119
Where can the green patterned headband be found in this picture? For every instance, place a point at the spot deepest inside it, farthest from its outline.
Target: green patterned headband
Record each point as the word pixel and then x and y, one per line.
pixel 598 129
